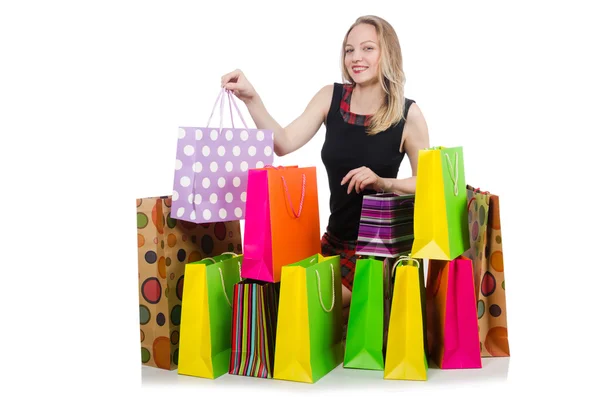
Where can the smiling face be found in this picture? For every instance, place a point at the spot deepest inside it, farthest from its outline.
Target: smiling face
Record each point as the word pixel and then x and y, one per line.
pixel 362 54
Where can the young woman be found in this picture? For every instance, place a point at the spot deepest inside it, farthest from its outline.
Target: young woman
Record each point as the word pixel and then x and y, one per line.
pixel 370 126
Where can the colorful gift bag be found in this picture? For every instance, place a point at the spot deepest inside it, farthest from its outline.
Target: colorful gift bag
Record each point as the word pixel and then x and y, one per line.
pixel 205 335
pixel 406 354
pixel 309 324
pixel 386 225
pixel 440 225
pixel 282 222
pixel 211 168
pixel 452 314
pixel 364 338
pixel 254 328
pixel 165 245
pixel 488 267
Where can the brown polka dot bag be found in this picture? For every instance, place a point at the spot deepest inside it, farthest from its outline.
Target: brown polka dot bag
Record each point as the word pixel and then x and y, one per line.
pixel 488 269
pixel 165 245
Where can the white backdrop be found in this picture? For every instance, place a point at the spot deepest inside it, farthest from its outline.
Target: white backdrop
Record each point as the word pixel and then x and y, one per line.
pixel 92 94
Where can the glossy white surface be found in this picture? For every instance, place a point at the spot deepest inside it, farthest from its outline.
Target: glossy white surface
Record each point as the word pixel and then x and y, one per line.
pixel 494 370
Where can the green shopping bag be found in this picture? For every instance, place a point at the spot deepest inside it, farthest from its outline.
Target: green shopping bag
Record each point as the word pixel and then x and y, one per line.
pixel 309 324
pixel 206 315
pixel 364 339
pixel 440 218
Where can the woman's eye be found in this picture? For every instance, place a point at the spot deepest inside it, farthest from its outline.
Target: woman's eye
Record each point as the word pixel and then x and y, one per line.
pixel 368 48
pixel 349 50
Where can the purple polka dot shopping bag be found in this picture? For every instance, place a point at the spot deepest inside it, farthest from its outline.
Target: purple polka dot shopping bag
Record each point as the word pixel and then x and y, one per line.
pixel 211 167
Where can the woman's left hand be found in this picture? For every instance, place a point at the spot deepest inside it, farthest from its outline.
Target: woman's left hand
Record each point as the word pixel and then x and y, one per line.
pixel 363 178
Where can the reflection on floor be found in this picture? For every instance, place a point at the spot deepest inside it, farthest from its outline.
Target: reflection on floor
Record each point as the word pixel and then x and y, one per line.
pixel 494 370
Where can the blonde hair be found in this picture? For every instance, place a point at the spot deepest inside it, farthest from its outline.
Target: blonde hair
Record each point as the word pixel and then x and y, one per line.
pixel 391 75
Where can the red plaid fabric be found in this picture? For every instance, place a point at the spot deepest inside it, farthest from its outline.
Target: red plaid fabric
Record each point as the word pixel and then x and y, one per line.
pixel 348 116
pixel 331 246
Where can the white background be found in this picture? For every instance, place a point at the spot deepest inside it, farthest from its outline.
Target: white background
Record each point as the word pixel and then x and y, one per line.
pixel 92 94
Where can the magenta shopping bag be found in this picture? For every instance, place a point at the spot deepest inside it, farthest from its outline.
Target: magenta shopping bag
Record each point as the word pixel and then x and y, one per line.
pixel 211 168
pixel 282 222
pixel 258 241
pixel 452 326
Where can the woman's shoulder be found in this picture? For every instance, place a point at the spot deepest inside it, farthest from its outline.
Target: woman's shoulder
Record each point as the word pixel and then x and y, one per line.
pixel 415 118
pixel 340 86
pixel 411 109
pixel 325 93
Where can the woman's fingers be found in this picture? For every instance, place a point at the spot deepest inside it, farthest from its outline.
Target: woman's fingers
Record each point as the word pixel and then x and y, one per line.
pixel 231 86
pixel 350 174
pixel 231 77
pixel 366 182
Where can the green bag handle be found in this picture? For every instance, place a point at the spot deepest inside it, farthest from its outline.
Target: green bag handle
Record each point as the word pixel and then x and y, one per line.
pixel 453 175
pixel 319 287
pixel 223 279
pixel 332 289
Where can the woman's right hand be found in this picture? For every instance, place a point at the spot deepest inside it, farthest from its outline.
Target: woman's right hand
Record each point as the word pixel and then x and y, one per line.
pixel 237 82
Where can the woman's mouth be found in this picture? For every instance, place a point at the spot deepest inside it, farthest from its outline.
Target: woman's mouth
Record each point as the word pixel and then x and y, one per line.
pixel 359 69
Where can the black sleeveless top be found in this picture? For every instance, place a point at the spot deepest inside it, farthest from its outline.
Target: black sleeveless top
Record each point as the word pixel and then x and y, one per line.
pixel 347 146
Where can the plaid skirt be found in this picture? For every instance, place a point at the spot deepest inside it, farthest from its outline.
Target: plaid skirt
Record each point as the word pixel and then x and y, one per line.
pixel 331 246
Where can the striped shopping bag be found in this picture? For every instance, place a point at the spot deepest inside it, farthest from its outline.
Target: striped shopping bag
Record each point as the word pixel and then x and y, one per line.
pixel 386 225
pixel 255 305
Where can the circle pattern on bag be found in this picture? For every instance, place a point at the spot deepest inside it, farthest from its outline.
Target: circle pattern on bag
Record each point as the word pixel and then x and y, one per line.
pixel 151 290
pixel 215 166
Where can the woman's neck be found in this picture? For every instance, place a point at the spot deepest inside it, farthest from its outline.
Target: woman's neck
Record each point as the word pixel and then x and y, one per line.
pixel 366 99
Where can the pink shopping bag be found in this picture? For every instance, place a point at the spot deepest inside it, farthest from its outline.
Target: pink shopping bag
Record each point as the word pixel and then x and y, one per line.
pixel 453 334
pixel 282 220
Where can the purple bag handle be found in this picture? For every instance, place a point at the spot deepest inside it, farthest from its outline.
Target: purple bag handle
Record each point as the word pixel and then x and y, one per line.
pixel 220 97
pixel 231 100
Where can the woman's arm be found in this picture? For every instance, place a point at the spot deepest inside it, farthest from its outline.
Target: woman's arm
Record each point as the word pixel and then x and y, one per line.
pixel 416 137
pixel 299 131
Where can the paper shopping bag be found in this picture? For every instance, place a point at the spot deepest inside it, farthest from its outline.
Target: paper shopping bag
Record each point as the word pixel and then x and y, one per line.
pixel 364 337
pixel 254 328
pixel 211 168
pixel 440 224
pixel 406 354
pixel 205 335
pixel 386 225
pixel 309 324
pixel 452 314
pixel 165 245
pixel 488 266
pixel 282 222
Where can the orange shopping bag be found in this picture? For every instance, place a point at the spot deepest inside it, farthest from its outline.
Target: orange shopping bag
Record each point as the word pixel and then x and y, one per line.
pixel 282 220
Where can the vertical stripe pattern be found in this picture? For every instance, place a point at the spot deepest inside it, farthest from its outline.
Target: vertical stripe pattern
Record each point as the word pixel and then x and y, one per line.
pixel 253 329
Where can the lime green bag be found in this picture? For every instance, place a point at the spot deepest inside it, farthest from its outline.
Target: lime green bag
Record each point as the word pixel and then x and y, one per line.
pixel 364 340
pixel 309 323
pixel 440 218
pixel 206 316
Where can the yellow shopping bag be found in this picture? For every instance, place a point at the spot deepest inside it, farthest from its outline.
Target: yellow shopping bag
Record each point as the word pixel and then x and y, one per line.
pixel 206 316
pixel 441 227
pixel 406 357
pixel 309 325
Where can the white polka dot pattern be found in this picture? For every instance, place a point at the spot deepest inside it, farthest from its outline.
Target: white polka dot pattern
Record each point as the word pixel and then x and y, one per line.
pixel 215 167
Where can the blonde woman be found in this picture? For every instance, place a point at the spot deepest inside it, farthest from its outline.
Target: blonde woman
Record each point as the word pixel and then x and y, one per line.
pixel 370 126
